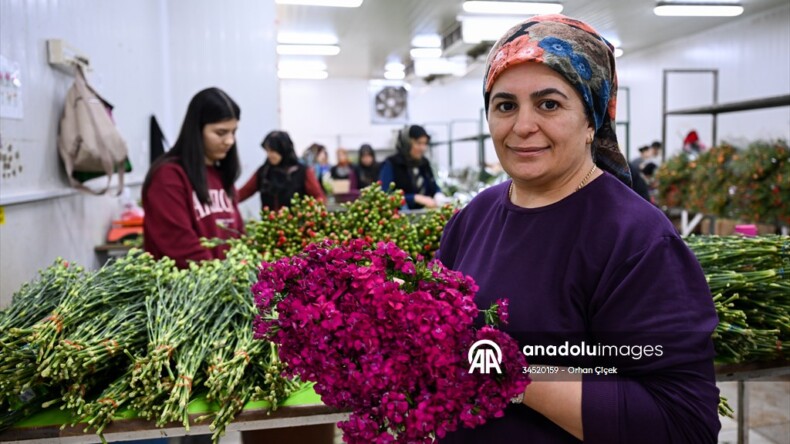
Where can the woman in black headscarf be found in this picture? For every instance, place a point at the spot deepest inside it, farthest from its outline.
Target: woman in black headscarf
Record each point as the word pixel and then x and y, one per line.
pixel 410 171
pixel 281 176
pixel 367 168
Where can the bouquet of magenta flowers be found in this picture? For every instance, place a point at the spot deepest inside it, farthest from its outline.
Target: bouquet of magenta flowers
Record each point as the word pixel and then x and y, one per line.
pixel 387 338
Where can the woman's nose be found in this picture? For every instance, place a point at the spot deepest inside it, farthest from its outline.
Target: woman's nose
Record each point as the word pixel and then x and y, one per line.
pixel 526 122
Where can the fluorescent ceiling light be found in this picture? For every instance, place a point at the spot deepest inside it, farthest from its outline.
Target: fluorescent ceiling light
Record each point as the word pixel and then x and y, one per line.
pixel 395 66
pixel 394 75
pixel 440 66
pixel 477 29
pixel 426 41
pixel 425 53
pixel 298 38
pixel 618 52
pixel 335 3
pixel 321 50
pixel 613 40
pixel 303 65
pixel 511 7
pixel 698 9
pixel 301 74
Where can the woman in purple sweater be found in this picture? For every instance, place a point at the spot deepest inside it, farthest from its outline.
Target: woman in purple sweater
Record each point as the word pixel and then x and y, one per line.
pixel 584 261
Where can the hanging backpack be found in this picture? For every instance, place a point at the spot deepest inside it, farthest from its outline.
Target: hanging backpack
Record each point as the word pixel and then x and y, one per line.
pixel 88 141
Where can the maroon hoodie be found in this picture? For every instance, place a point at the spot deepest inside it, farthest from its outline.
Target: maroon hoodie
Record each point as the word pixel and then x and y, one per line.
pixel 175 220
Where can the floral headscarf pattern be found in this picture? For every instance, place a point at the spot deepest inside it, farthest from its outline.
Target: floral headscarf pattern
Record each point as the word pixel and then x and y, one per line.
pixel 584 59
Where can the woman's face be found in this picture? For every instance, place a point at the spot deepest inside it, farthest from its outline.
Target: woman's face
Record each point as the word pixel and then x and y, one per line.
pixel 366 159
pixel 273 156
pixel 538 125
pixel 218 138
pixel 342 157
pixel 321 158
pixel 419 147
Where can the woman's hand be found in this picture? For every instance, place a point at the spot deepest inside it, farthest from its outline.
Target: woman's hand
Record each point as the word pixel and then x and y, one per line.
pixel 558 397
pixel 425 201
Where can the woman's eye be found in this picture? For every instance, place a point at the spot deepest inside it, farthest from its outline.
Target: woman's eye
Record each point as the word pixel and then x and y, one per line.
pixel 506 106
pixel 549 105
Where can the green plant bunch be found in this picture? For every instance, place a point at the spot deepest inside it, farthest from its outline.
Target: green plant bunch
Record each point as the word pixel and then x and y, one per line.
pixel 32 302
pixel 751 292
pixel 711 179
pixel 752 184
pixel 673 181
pixel 375 216
pixel 762 178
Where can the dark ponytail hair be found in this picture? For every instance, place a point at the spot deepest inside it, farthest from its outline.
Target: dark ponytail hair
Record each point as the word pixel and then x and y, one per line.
pixel 211 105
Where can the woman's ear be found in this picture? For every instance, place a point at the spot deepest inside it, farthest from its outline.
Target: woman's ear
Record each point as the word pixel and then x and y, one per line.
pixel 590 136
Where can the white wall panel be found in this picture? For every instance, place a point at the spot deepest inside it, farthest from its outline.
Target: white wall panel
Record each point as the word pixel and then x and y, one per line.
pixel 334 113
pixel 456 103
pixel 148 57
pixel 122 39
pixel 753 59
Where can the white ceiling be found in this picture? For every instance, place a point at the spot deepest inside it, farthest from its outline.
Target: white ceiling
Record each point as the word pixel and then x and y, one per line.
pixel 381 30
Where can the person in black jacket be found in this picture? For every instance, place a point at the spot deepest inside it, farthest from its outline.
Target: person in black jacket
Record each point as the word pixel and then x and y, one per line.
pixel 367 168
pixel 410 171
pixel 282 176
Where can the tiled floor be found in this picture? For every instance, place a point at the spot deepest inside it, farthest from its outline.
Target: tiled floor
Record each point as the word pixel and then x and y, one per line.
pixel 769 412
pixel 769 409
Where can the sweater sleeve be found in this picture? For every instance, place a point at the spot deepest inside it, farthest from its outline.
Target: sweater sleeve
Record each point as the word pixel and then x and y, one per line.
pixel 658 297
pixel 448 244
pixel 312 187
pixel 169 218
pixel 249 188
pixel 387 176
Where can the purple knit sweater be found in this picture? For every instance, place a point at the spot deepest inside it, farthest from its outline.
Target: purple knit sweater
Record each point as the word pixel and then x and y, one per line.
pixel 605 267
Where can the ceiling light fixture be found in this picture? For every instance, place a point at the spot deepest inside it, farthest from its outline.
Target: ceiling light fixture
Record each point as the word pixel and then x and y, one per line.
pixel 425 53
pixel 320 50
pixel 512 7
pixel 301 65
pixel 395 66
pixel 440 66
pixel 394 75
pixel 298 38
pixel 618 52
pixel 301 74
pixel 426 41
pixel 476 28
pixel 333 3
pixel 707 9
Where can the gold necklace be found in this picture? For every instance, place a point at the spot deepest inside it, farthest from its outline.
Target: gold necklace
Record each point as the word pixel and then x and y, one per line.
pixel 581 185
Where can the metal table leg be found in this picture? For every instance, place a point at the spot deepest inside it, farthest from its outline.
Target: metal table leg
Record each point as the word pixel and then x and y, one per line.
pixel 743 412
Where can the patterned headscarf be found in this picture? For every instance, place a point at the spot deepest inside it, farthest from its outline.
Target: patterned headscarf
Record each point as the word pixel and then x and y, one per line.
pixel 584 59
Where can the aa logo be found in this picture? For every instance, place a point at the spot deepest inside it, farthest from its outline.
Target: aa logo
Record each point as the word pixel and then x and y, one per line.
pixel 485 355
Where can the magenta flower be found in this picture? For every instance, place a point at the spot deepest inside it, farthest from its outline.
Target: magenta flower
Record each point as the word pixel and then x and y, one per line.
pixel 386 337
pixel 502 310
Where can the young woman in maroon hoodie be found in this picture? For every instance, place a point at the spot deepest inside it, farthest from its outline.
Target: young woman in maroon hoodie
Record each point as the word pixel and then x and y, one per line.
pixel 188 192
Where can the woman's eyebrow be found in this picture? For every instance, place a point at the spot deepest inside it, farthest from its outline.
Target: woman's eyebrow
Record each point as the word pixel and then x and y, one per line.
pixel 546 92
pixel 504 95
